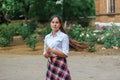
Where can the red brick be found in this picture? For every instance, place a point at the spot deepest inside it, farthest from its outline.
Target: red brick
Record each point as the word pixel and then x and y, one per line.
pixel 101 8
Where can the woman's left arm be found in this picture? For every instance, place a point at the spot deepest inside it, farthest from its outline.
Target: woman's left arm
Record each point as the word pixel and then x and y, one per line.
pixel 56 52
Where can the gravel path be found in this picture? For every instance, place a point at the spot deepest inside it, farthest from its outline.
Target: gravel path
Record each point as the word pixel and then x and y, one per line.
pixel 33 67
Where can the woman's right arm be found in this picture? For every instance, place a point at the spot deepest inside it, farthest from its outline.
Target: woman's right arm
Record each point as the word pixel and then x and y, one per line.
pixel 46 53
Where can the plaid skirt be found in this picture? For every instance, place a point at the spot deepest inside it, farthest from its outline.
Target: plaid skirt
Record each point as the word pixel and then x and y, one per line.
pixel 57 69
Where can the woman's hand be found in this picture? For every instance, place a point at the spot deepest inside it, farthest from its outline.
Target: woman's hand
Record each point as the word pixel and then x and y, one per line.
pixel 56 52
pixel 48 49
pixel 47 55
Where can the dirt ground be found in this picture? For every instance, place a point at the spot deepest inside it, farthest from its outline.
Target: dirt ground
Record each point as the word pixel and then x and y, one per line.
pixel 19 62
pixel 18 47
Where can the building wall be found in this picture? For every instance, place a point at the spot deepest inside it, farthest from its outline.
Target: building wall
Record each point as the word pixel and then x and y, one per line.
pixel 101 12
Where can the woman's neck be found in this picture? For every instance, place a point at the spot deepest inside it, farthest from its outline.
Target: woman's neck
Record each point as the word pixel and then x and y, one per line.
pixel 54 32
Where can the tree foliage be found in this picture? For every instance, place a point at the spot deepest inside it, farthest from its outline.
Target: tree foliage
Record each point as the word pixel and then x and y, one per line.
pixel 42 9
pixel 78 8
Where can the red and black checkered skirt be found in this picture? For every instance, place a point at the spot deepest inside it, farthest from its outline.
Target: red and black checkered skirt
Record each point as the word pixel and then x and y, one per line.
pixel 57 69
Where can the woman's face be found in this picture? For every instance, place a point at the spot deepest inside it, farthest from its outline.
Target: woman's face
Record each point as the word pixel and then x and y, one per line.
pixel 55 24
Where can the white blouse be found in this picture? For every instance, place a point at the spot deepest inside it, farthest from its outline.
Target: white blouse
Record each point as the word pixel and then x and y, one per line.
pixel 58 42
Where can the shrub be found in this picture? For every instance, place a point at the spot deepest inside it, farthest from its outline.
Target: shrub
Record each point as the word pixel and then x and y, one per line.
pixel 26 29
pixel 45 31
pixel 31 41
pixel 4 42
pixel 6 34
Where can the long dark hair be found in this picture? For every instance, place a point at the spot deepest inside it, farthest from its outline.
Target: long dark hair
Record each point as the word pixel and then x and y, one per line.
pixel 73 43
pixel 60 20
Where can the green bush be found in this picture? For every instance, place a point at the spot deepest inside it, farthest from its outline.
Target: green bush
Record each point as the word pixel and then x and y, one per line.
pixel 6 34
pixel 110 37
pixel 4 42
pixel 118 39
pixel 45 31
pixel 31 41
pixel 74 32
pixel 26 29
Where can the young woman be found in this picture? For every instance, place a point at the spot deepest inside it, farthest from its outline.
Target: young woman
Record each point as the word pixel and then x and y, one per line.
pixel 56 50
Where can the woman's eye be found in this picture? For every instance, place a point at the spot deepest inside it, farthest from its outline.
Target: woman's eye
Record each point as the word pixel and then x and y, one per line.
pixel 52 22
pixel 55 22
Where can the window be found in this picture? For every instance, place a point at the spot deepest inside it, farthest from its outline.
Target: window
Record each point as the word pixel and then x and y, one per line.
pixel 110 6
